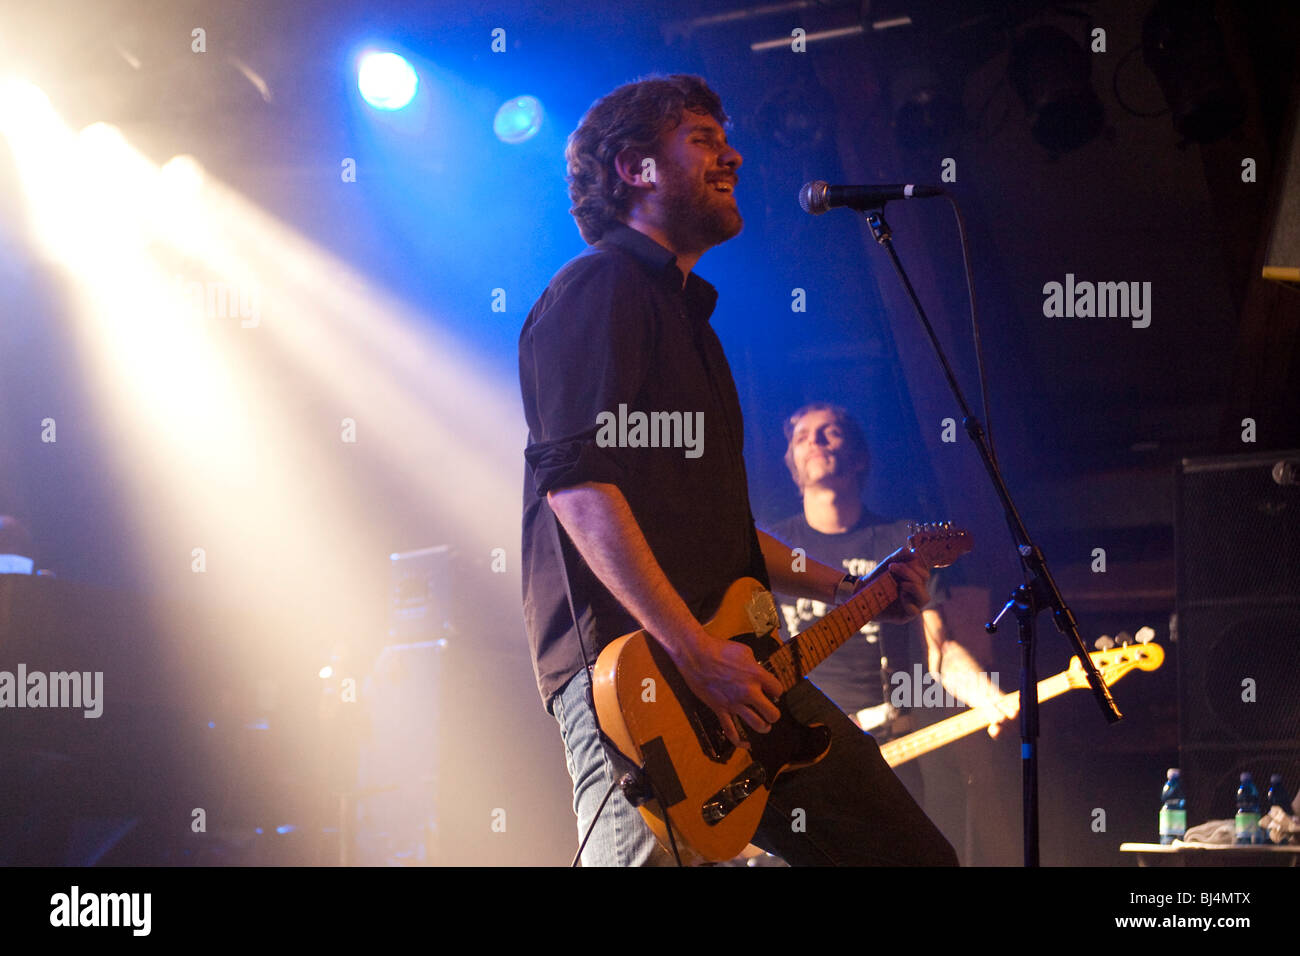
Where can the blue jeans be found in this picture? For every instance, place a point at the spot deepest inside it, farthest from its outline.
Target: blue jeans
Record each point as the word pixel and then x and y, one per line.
pixel 847 810
pixel 621 837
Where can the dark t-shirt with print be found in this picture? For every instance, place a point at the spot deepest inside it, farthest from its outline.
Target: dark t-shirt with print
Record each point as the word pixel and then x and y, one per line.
pixel 852 676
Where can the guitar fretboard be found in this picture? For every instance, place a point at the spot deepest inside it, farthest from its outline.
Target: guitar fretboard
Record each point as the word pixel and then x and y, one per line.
pixel 945 732
pixel 808 649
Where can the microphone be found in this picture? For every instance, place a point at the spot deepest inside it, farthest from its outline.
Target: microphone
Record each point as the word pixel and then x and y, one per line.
pixel 817 197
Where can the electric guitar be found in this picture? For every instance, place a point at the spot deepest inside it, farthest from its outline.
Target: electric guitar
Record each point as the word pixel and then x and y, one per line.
pixel 1112 664
pixel 710 792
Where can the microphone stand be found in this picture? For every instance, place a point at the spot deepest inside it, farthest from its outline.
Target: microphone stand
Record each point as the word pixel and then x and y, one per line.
pixel 1039 590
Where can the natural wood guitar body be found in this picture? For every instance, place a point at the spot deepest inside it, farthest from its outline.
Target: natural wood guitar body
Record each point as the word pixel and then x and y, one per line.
pixel 712 793
pixel 647 711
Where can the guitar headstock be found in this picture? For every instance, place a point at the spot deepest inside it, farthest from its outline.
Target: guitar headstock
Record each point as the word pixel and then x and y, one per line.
pixel 939 545
pixel 1114 662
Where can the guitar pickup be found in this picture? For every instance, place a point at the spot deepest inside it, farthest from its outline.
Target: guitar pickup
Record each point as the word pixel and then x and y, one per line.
pixel 718 806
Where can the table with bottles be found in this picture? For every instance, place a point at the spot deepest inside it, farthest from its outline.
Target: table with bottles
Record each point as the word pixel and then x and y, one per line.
pixel 1211 854
pixel 1251 846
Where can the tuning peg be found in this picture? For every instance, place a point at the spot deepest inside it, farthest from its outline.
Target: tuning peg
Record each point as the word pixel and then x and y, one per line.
pixel 1145 635
pixel 1103 643
pixel 1124 638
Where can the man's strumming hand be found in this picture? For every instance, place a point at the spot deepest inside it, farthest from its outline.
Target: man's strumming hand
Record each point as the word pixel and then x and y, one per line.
pixel 730 682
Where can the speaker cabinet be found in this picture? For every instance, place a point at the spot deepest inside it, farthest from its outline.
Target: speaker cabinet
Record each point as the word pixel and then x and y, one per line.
pixel 1237 538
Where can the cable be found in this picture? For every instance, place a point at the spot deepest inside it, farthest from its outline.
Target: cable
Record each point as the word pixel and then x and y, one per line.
pixel 975 327
pixel 672 840
pixel 624 781
pixel 599 810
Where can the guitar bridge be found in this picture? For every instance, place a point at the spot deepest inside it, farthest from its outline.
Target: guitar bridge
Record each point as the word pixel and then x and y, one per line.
pixel 717 807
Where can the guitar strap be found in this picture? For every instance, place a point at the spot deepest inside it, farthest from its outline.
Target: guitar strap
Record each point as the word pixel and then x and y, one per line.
pixel 582 645
pixel 622 765
pixel 619 761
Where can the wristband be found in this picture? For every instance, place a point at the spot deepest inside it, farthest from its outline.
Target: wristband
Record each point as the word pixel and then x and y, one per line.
pixel 846 588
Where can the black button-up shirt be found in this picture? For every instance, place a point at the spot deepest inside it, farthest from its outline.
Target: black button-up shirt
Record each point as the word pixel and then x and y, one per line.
pixel 613 335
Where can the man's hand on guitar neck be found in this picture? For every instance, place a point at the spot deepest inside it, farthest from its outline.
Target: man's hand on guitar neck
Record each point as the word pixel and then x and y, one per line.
pixel 913 579
pixel 821 582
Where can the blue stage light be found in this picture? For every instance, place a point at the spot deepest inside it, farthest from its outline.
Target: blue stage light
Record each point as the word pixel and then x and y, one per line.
pixel 518 119
pixel 386 80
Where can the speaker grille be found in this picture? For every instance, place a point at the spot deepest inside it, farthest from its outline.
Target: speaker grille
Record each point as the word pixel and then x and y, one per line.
pixel 1238 531
pixel 1240 674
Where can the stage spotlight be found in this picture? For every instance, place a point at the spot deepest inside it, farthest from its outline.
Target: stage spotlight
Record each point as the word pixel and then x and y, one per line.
pixel 1183 46
pixel 1053 76
pixel 518 119
pixel 386 80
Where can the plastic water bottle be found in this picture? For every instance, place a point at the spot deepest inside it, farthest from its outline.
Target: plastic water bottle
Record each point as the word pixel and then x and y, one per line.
pixel 1277 795
pixel 1247 811
pixel 1173 808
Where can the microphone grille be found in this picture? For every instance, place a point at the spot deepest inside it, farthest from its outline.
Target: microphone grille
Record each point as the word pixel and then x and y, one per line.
pixel 812 197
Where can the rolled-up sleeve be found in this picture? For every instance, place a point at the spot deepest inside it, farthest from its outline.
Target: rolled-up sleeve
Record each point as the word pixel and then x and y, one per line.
pixel 572 461
pixel 584 351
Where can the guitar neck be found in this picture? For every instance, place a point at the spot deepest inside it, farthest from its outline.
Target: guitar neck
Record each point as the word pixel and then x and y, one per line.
pixel 809 648
pixel 938 735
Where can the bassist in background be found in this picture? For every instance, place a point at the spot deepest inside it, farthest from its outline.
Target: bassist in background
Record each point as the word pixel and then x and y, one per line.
pixel 828 458
pixel 619 538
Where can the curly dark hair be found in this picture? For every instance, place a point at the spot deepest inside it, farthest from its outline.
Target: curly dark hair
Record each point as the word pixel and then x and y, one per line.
pixel 635 115
pixel 854 437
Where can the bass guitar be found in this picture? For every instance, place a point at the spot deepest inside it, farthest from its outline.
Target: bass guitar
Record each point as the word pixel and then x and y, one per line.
pixel 1111 664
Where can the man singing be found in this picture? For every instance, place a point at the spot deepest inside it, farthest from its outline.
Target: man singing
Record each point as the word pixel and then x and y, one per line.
pixel 616 539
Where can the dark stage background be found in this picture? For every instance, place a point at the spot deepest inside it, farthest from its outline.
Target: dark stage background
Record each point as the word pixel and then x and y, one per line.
pixel 1090 416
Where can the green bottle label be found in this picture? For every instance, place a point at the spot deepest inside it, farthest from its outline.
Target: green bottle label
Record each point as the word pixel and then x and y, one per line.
pixel 1247 825
pixel 1172 822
